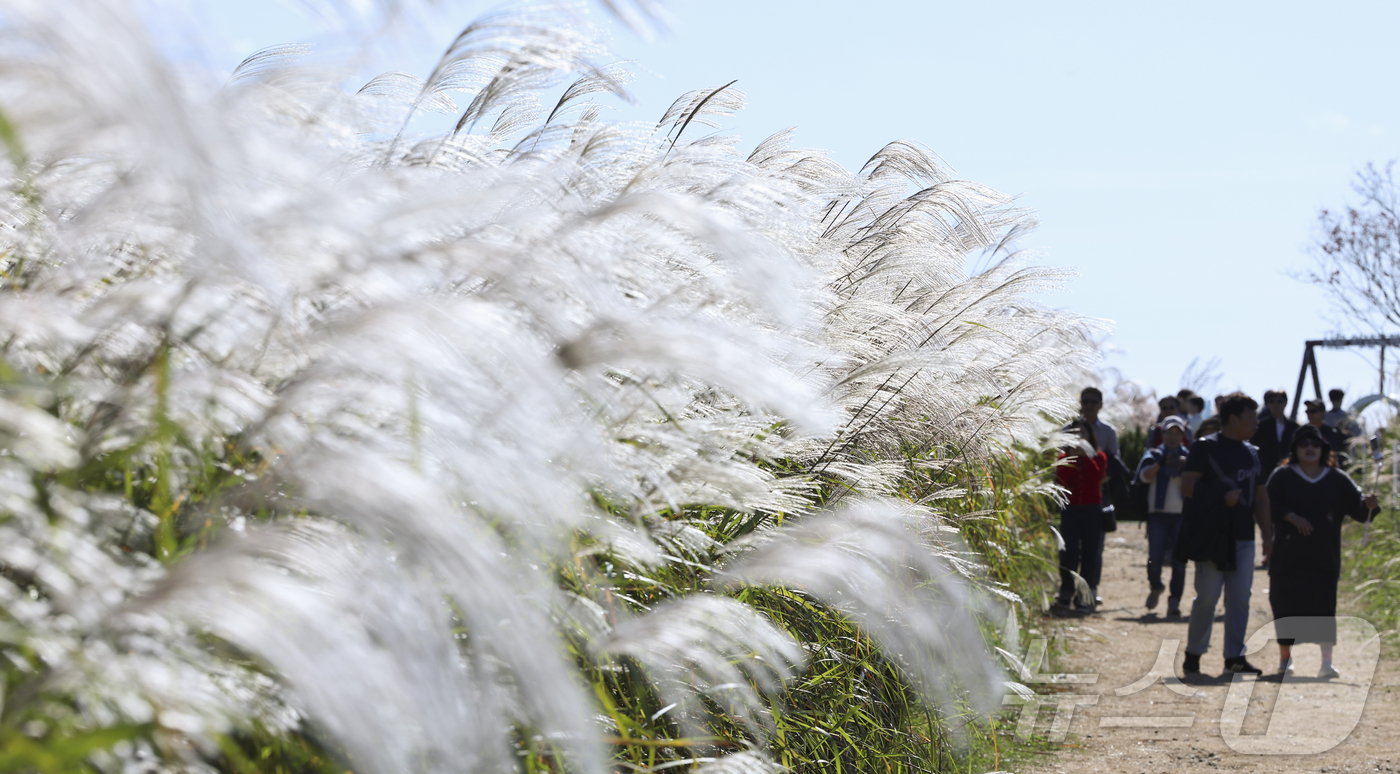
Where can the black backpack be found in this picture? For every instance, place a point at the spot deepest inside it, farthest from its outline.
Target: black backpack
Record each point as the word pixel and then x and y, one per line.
pixel 1128 496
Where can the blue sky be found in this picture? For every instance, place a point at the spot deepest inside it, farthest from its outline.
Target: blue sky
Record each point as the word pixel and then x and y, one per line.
pixel 1176 154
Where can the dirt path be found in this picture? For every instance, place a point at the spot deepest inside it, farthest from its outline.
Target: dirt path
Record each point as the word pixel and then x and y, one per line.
pixel 1174 726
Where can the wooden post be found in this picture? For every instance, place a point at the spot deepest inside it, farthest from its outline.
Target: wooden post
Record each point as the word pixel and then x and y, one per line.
pixel 1317 383
pixel 1302 374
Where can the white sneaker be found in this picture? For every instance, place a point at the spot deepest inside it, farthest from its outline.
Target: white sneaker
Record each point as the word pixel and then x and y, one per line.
pixel 1286 668
pixel 1328 672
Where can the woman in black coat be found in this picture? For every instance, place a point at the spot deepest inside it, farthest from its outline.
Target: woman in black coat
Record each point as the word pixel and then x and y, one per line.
pixel 1309 498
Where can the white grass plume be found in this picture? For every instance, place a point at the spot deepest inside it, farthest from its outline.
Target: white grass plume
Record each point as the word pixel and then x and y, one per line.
pixel 712 647
pixel 451 357
pixel 867 562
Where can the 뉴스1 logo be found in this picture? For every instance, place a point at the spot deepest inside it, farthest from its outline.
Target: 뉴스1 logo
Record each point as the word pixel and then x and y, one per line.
pixel 1294 725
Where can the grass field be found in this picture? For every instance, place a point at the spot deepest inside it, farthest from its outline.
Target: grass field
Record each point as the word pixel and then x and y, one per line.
pixel 437 424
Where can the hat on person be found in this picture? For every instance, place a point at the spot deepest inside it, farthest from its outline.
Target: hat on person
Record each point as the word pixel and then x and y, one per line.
pixel 1315 404
pixel 1171 422
pixel 1310 432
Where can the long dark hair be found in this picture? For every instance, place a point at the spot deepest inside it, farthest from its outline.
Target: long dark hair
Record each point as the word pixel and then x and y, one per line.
pixel 1329 459
pixel 1085 430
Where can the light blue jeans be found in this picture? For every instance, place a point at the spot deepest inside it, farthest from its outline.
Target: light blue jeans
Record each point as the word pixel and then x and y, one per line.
pixel 1236 583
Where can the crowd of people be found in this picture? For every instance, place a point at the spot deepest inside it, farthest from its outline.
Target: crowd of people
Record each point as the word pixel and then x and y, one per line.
pixel 1208 482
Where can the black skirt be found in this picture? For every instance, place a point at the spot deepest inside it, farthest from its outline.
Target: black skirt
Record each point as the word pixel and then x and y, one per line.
pixel 1304 606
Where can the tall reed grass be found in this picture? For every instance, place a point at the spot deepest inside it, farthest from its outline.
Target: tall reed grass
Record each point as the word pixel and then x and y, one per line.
pixel 1371 555
pixel 528 441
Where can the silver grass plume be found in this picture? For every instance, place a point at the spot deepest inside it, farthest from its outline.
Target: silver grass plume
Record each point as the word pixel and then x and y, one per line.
pixel 303 403
pixel 913 601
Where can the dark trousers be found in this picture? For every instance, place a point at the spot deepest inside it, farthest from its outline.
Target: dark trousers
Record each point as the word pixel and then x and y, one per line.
pixel 1082 528
pixel 1162 530
pixel 1305 606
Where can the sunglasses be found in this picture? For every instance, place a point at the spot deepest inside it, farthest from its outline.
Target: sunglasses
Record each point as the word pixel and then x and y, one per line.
pixel 1310 442
pixel 1089 402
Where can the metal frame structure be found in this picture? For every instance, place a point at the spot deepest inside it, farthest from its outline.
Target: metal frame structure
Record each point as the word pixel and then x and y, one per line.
pixel 1310 361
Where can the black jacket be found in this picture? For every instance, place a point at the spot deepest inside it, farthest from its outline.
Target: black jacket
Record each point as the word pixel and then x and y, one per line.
pixel 1334 439
pixel 1324 504
pixel 1117 486
pixel 1207 526
pixel 1271 450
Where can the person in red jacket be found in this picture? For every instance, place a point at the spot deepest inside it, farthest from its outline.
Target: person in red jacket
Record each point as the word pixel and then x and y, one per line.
pixel 1081 472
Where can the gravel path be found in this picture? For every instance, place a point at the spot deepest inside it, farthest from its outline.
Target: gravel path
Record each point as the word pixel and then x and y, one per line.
pixel 1121 724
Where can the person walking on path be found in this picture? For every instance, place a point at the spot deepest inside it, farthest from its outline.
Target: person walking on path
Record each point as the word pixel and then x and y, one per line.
pixel 1275 434
pixel 1316 413
pixel 1090 401
pixel 1183 401
pixel 1081 520
pixel 1195 414
pixel 1118 475
pixel 1339 418
pixel 1209 425
pixel 1161 469
pixel 1166 407
pixel 1308 500
pixel 1227 498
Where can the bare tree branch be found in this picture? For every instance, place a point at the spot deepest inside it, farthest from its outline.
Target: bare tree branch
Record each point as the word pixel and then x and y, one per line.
pixel 1357 252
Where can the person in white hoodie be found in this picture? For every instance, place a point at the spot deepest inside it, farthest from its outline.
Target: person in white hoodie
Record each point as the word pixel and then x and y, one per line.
pixel 1161 469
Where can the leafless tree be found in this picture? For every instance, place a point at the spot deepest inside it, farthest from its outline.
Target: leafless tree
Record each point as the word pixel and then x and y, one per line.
pixel 1202 378
pixel 1357 252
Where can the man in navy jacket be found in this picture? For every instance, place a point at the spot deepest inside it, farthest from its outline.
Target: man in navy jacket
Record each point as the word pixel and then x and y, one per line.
pixel 1275 434
pixel 1227 500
